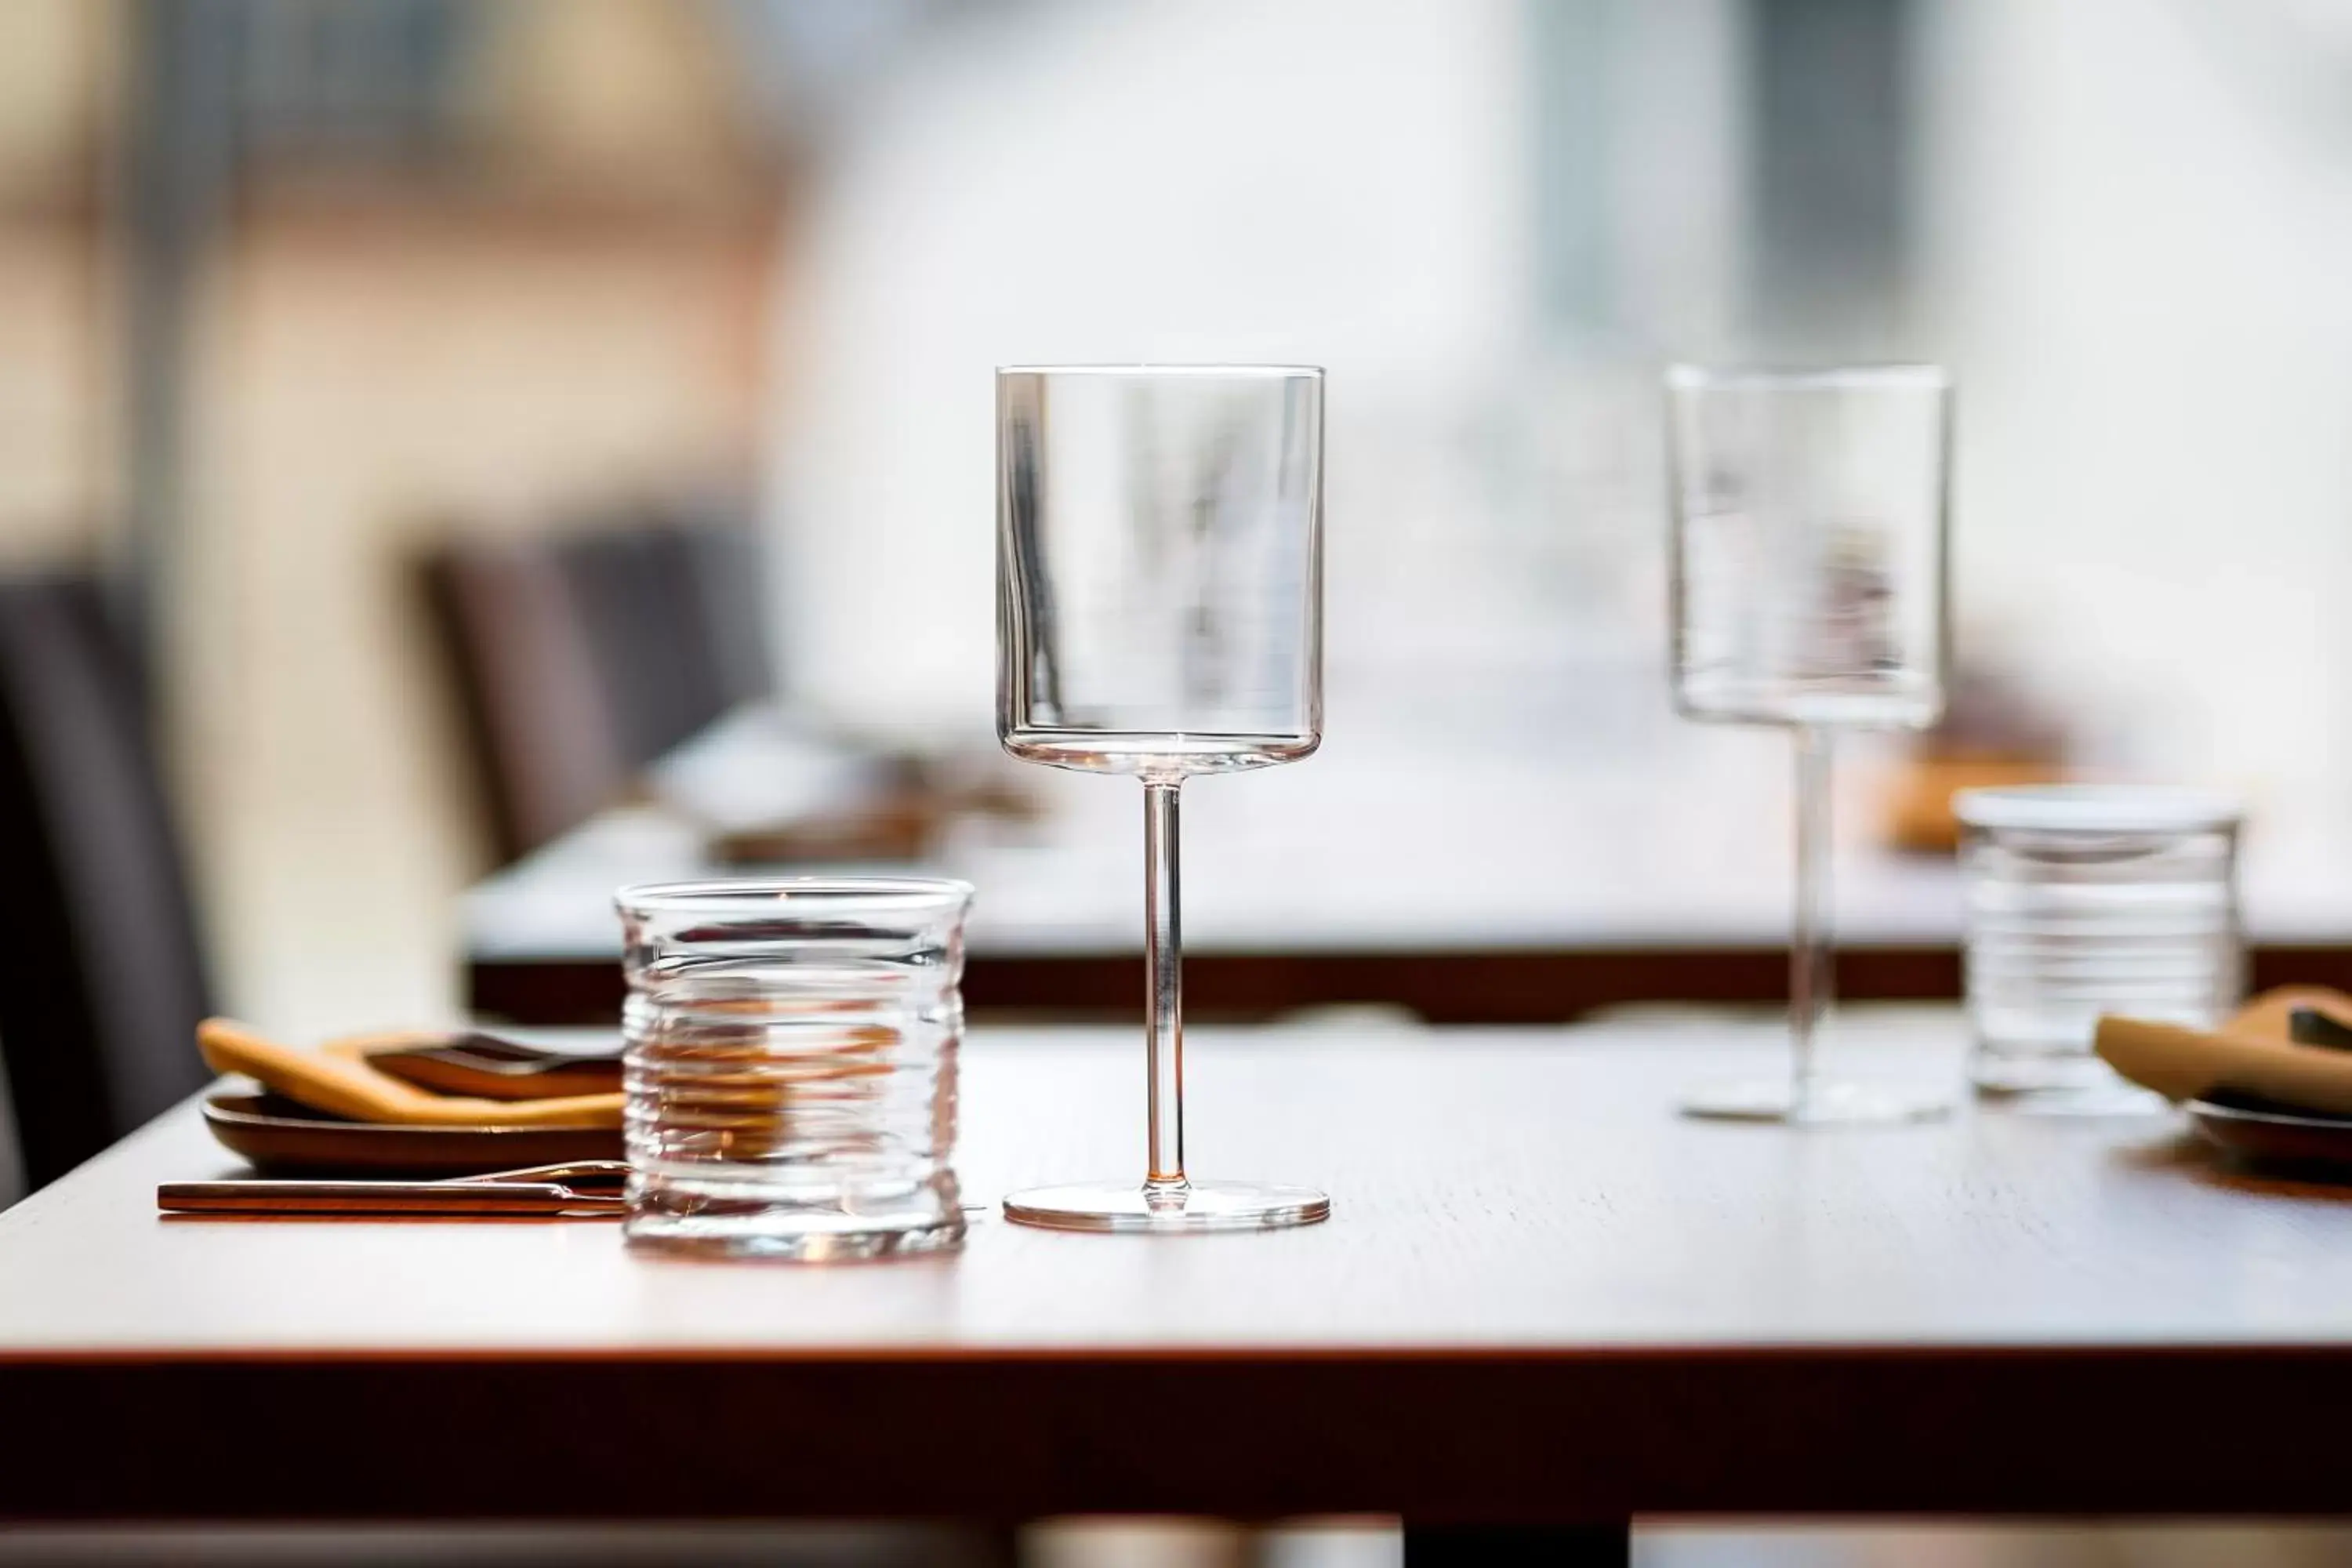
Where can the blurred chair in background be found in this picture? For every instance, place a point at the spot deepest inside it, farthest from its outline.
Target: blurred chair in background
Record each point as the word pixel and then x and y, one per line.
pixel 543 739
pixel 103 978
pixel 580 658
pixel 728 588
pixel 641 593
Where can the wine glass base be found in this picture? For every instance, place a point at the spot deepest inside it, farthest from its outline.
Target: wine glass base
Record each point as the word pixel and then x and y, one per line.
pixel 1202 1206
pixel 2118 1099
pixel 1827 1102
pixel 2047 1082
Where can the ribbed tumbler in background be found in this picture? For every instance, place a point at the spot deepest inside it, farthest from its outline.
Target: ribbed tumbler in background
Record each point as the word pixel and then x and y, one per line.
pixel 790 1065
pixel 2091 898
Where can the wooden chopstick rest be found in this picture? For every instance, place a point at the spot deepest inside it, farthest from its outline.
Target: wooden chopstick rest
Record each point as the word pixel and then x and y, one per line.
pixel 483 1065
pixel 2250 1053
pixel 340 1079
pixel 346 1086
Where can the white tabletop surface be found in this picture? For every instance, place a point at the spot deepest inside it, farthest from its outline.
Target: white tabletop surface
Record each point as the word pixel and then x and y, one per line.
pixel 1525 1188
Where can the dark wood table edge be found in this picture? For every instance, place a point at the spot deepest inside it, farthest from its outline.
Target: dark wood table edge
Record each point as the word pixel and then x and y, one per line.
pixel 1493 1439
pixel 1531 985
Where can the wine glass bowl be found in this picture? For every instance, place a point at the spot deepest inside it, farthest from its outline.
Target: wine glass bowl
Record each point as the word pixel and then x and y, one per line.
pixel 1159 574
pixel 1808 545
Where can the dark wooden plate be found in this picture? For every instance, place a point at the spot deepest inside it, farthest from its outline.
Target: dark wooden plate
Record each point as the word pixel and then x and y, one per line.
pixel 279 1135
pixel 2262 1131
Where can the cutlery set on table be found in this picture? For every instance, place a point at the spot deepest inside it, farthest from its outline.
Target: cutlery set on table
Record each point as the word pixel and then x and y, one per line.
pixel 2270 1086
pixel 449 1123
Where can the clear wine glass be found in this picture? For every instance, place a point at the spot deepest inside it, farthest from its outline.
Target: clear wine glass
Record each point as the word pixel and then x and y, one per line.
pixel 1809 592
pixel 1160 610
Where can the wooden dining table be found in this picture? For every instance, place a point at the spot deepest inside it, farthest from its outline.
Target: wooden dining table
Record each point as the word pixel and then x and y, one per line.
pixel 1545 1305
pixel 1537 880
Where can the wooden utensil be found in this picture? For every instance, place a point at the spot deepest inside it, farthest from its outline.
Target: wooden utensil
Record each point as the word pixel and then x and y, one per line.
pixel 2255 1052
pixel 579 1189
pixel 485 1065
pixel 348 1085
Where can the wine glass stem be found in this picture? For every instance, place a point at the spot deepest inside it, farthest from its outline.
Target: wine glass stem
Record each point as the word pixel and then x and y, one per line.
pixel 1163 968
pixel 1810 973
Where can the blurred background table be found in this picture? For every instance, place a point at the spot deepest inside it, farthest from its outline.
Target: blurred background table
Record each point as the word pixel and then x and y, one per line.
pixel 1527 884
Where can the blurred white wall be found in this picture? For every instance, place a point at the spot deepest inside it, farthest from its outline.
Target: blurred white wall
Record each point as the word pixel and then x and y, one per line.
pixel 1331 182
pixel 57 484
pixel 571 316
pixel 2136 216
pixel 2141 239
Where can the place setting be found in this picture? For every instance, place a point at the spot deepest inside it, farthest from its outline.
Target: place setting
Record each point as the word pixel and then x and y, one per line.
pixel 418 1123
pixel 2268 1087
pixel 793 1042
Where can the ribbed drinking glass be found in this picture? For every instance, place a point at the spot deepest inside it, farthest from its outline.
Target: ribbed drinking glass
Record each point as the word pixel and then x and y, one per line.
pixel 2085 899
pixel 790 1064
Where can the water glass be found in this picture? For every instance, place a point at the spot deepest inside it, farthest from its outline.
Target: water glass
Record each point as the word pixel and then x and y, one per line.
pixel 790 1065
pixel 2091 899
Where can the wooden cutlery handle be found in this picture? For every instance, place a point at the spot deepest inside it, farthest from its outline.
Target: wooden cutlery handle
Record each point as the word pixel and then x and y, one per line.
pixel 378 1197
pixel 348 1085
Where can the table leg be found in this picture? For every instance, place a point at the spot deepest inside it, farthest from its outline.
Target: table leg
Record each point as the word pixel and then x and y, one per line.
pixel 1514 1546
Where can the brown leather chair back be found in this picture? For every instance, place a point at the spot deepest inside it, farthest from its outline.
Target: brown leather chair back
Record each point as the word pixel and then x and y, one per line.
pixel 544 734
pixel 726 569
pixel 634 586
pixel 582 658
